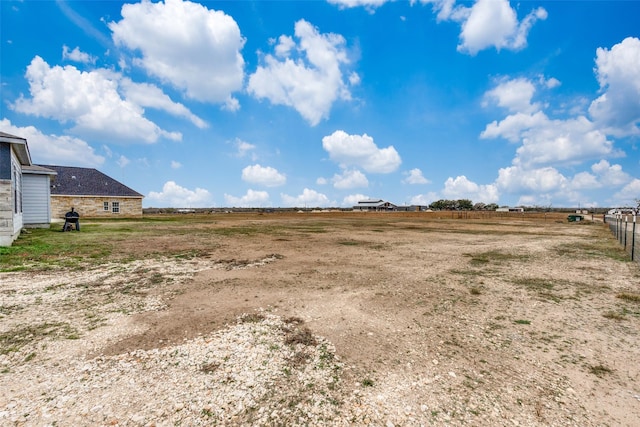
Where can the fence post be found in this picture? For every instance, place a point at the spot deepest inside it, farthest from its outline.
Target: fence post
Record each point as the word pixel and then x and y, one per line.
pixel 619 228
pixel 625 232
pixel 633 238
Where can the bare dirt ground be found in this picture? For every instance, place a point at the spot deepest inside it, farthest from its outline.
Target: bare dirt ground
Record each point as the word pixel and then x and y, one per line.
pixel 436 322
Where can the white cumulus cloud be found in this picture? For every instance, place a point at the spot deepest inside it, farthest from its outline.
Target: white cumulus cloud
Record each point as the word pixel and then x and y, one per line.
pixel 77 55
pixel 370 5
pixel 360 151
pixel 584 181
pixel 515 95
pixel 243 148
pixel 488 23
pixel 610 175
pixel 568 141
pixel 514 179
pixel 306 75
pixel 308 199
pixel 629 194
pixel 494 23
pixel 414 176
pixel 193 48
pixel 461 187
pixel 123 161
pixel 54 149
pixel 351 178
pixel 544 141
pixel 252 199
pixel 424 199
pixel 618 72
pixel 173 195
pixel 263 175
pixel 147 95
pixel 96 103
pixel 353 199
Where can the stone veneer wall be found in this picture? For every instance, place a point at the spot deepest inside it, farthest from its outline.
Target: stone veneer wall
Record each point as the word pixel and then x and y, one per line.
pixel 93 207
pixel 6 210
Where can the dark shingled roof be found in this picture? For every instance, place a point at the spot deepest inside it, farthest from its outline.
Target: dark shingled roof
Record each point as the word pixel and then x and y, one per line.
pixel 73 181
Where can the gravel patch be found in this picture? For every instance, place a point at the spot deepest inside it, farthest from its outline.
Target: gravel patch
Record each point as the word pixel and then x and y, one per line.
pixel 252 373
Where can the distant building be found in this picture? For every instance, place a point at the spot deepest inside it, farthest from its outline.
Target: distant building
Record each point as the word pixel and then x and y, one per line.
pixel 411 208
pixel 622 211
pixel 510 210
pixel 374 205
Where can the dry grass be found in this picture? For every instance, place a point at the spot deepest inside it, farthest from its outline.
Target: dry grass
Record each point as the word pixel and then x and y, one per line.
pixel 462 315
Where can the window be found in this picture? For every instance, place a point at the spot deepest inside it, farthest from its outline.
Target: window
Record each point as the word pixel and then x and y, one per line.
pixel 115 207
pixel 105 206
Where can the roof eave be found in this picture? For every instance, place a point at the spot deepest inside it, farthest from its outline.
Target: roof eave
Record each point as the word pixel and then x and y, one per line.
pixel 38 170
pixel 20 146
pixel 111 196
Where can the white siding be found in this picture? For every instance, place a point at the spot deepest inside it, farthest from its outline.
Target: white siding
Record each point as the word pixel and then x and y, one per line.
pixel 16 179
pixel 36 200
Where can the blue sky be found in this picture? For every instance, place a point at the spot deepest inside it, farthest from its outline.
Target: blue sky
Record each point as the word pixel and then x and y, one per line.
pixel 324 103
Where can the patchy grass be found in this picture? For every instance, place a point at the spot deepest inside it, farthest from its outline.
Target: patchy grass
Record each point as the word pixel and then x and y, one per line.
pixel 600 370
pixel 467 272
pixel 14 339
pixel 497 257
pixel 534 283
pixel 627 296
pixel 367 382
pixel 252 318
pixel 246 230
pixel 544 288
pixel 349 243
pixel 621 314
pixel 209 368
pixel 614 315
pixel 556 289
pixel 43 249
pixel 302 336
pixel 605 246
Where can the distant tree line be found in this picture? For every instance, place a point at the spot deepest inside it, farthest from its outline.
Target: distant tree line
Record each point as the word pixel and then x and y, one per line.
pixel 461 205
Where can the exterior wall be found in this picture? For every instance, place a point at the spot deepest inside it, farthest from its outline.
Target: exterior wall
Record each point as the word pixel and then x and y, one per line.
pixel 10 220
pixel 93 207
pixel 17 195
pixel 6 213
pixel 35 195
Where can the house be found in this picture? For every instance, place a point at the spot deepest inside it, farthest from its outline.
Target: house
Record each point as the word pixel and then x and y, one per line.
pixel 14 155
pixel 24 190
pixel 91 193
pixel 374 205
pixel 31 195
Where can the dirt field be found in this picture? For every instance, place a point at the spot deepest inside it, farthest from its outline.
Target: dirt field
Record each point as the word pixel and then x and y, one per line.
pixel 488 321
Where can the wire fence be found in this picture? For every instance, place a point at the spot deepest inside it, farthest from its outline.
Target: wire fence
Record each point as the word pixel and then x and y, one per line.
pixel 627 231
